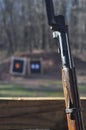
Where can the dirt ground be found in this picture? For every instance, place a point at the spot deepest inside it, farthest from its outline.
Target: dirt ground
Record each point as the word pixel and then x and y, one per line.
pixel 51 64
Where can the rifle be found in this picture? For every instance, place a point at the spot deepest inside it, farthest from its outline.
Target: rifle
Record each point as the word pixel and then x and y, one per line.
pixel 69 80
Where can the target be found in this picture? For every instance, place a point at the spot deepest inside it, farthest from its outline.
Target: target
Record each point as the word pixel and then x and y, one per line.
pixel 18 66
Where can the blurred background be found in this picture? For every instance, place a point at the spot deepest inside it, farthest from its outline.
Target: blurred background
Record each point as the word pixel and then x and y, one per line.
pixel 25 33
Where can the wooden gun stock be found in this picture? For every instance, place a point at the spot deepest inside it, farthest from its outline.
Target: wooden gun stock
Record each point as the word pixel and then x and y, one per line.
pixel 73 108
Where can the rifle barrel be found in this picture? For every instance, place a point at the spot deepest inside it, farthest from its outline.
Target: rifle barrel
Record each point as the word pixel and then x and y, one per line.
pixel 50 11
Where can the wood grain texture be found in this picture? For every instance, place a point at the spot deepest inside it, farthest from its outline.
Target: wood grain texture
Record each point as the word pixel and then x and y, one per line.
pixel 71 95
pixel 34 113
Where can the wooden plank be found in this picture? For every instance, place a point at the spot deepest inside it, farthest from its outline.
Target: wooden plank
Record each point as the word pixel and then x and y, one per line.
pixel 34 113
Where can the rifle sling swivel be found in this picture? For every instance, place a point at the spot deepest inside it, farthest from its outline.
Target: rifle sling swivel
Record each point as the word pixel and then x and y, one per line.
pixel 72 110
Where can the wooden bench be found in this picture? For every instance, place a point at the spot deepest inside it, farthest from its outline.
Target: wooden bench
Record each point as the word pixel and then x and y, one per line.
pixel 34 113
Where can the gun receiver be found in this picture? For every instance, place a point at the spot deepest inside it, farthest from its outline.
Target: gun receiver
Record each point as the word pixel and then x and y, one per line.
pixel 72 99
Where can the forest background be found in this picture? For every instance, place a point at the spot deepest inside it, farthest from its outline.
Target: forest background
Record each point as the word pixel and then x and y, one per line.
pixel 24 27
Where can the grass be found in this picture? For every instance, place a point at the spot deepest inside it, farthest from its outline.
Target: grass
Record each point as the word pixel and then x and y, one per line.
pixel 50 88
pixel 47 89
pixel 19 91
pixel 82 90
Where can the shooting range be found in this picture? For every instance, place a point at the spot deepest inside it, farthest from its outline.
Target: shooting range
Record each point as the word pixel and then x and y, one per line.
pixel 42 64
